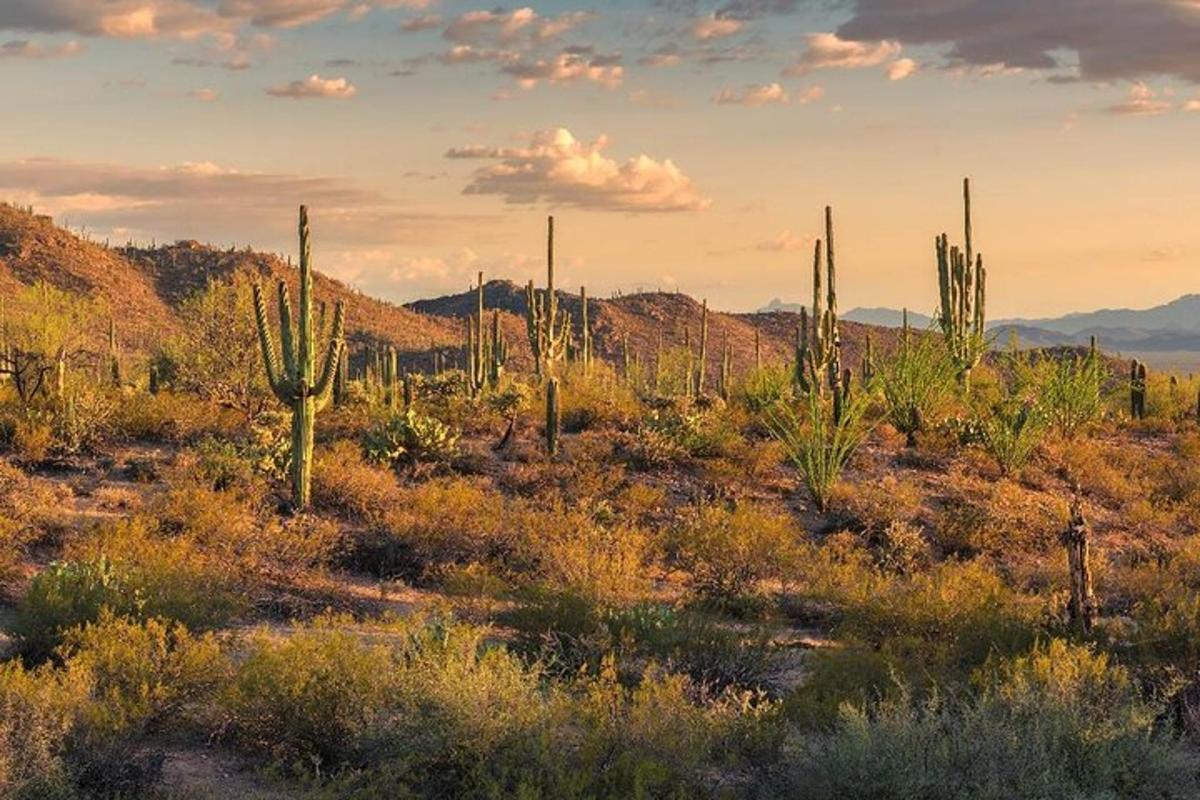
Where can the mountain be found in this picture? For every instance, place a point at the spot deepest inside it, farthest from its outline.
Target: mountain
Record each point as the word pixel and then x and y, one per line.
pixel 1181 314
pixel 881 317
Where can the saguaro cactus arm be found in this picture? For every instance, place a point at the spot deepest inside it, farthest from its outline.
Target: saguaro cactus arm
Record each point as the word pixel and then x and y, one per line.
pixel 267 344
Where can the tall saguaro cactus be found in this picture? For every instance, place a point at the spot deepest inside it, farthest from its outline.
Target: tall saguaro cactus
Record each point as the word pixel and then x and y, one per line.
pixel 962 285
pixel 700 368
pixel 297 382
pixel 547 333
pixel 818 351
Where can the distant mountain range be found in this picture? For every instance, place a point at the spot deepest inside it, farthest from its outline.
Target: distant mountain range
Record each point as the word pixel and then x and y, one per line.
pixel 1167 335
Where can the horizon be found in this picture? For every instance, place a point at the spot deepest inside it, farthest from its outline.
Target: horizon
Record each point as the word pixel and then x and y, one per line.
pixel 431 138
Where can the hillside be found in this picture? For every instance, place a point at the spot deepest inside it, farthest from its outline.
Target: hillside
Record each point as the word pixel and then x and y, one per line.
pixel 146 285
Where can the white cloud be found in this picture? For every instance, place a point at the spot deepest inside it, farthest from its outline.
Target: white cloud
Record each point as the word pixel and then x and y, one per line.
pixel 707 28
pixel 1192 105
pixel 424 22
pixel 522 26
pixel 1142 101
pixel 314 86
pixel 785 242
pixel 204 95
pixel 567 67
pixel 754 95
pixel 900 69
pixel 828 51
pixel 558 168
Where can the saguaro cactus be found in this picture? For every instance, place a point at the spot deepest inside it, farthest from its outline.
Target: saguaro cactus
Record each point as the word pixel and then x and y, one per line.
pixel 553 417
pixel 585 333
pixel 700 368
pixel 1137 389
pixel 962 286
pixel 547 333
pixel 726 369
pixel 818 353
pixel 114 354
pixel 296 382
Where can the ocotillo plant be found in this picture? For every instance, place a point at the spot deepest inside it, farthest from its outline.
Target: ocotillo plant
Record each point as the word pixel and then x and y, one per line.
pixel 1137 389
pixel 553 418
pixel 547 333
pixel 962 286
pixel 296 382
pixel 700 368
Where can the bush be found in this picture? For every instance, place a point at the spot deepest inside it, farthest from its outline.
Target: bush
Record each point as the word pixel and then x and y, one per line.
pixel 914 382
pixel 818 445
pixel 344 482
pixel 1059 722
pixel 728 554
pixel 38 710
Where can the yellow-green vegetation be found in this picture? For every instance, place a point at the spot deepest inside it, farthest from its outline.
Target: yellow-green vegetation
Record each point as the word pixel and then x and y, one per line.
pixel 716 577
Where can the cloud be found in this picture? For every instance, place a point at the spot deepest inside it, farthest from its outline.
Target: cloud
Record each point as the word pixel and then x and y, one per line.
pixel 829 51
pixel 1142 101
pixel 567 67
pixel 521 26
pixel 314 86
pixel 21 48
pixel 754 95
pixel 1191 105
pixel 667 55
pixel 645 98
pixel 204 95
pixel 210 202
pixel 1103 40
pixel 182 19
pixel 900 69
pixel 707 28
pixel 424 22
pixel 559 169
pixel 785 242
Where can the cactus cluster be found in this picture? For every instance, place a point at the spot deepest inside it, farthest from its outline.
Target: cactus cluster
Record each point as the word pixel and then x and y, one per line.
pixel 487 350
pixel 296 382
pixel 962 283
pixel 547 331
pixel 818 349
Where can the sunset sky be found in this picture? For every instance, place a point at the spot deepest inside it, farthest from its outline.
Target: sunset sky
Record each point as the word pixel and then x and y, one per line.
pixel 680 143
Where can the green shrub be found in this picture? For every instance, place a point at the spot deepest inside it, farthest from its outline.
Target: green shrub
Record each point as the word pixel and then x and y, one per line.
pixel 38 711
pixel 409 438
pixel 914 382
pixel 819 446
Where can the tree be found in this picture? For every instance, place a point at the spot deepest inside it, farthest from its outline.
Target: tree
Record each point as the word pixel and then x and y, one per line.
pixel 44 331
pixel 216 353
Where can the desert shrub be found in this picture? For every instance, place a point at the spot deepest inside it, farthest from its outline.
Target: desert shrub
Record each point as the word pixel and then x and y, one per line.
pixel 1058 722
pixel 442 522
pixel 914 382
pixel 318 693
pixel 596 400
pixel 410 437
pixel 729 554
pixel 901 548
pixel 28 509
pixel 38 711
pixel 166 416
pixel 143 674
pixel 70 594
pixel 818 445
pixel 691 430
pixel 873 505
pixel 567 551
pixel 32 436
pixel 85 420
pixel 343 481
pixel 764 388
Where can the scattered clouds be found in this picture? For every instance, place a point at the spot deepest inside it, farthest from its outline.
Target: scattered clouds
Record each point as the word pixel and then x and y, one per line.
pixel 569 66
pixel 519 27
pixel 425 22
pixel 204 95
pixel 559 169
pixel 668 55
pixel 1142 101
pixel 829 51
pixel 1097 40
pixel 23 48
pixel 314 86
pixel 1192 105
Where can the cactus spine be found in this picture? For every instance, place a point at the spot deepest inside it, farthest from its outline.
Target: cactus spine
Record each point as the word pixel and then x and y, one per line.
pixel 1137 389
pixel 296 382
pixel 553 418
pixel 547 334
pixel 962 286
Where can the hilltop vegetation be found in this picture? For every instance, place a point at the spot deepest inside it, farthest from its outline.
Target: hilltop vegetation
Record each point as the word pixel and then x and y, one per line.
pixel 556 555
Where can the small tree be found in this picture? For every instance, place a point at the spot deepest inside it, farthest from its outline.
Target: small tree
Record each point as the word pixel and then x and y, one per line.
pixel 216 353
pixel 46 331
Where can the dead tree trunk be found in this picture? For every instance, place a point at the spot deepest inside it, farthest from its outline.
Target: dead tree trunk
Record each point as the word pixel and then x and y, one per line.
pixel 1081 611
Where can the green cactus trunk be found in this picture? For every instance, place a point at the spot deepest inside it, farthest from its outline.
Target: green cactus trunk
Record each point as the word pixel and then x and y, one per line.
pixel 553 417
pixel 702 366
pixel 546 332
pixel 296 382
pixel 962 283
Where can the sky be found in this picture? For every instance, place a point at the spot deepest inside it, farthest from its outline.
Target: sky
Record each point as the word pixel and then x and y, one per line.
pixel 680 144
